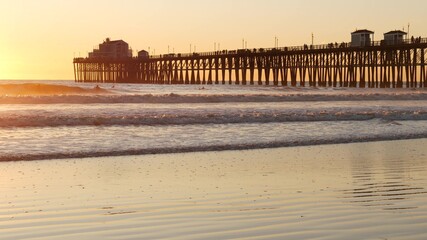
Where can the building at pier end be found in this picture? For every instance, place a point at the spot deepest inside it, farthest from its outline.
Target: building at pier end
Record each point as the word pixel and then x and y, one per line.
pixel 117 49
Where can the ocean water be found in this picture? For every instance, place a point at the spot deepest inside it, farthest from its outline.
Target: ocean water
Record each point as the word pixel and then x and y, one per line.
pixel 350 191
pixel 146 119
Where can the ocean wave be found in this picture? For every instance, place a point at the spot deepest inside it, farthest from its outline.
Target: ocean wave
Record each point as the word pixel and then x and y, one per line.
pixel 30 90
pixel 173 98
pixel 209 148
pixel 188 117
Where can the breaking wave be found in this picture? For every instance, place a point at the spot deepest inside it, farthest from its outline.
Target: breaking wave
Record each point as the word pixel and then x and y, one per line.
pixel 31 90
pixel 131 114
pixel 199 144
pixel 172 98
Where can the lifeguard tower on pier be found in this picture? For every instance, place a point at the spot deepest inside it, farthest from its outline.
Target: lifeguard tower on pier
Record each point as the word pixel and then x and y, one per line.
pixel 362 38
pixel 394 37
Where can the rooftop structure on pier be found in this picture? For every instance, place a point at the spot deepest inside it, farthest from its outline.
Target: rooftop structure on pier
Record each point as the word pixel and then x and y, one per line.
pixel 117 49
pixel 361 38
pixel 394 37
pixel 143 54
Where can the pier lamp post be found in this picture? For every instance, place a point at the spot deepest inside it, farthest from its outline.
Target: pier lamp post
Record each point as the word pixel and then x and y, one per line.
pixel 216 46
pixel 244 43
pixel 409 25
pixel 312 39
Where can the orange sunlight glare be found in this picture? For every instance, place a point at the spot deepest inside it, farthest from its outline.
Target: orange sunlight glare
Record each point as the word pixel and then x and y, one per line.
pixel 31 89
pixel 4 68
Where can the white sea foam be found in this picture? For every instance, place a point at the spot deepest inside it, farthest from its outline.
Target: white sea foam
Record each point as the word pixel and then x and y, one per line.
pixel 95 141
pixel 128 93
pixel 180 114
pixel 173 98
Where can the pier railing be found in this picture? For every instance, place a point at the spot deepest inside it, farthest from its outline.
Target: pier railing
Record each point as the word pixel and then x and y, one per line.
pixel 304 47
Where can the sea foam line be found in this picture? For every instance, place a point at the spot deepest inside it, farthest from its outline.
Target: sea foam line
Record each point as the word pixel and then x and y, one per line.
pixel 187 117
pixel 209 148
pixel 213 98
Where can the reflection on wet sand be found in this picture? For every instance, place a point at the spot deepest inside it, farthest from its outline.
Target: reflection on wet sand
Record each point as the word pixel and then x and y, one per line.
pixel 385 178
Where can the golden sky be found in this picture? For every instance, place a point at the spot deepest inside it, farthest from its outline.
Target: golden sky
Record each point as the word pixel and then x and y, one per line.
pixel 39 38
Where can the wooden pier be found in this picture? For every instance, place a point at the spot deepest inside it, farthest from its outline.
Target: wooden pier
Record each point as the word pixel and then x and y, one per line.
pixel 333 65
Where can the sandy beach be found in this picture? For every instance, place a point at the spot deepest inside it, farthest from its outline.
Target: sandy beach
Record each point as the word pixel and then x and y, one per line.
pixel 184 120
pixel 349 191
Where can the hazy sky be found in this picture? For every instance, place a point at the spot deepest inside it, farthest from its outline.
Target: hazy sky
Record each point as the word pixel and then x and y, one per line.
pixel 39 38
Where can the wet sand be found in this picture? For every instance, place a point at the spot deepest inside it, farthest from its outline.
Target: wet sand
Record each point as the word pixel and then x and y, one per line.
pixel 349 191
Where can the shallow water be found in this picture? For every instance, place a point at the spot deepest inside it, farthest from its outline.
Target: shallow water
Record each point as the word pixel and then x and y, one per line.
pixel 92 141
pixel 351 191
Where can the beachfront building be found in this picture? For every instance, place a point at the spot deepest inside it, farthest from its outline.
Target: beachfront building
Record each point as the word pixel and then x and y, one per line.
pixel 117 49
pixel 394 37
pixel 143 54
pixel 361 38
